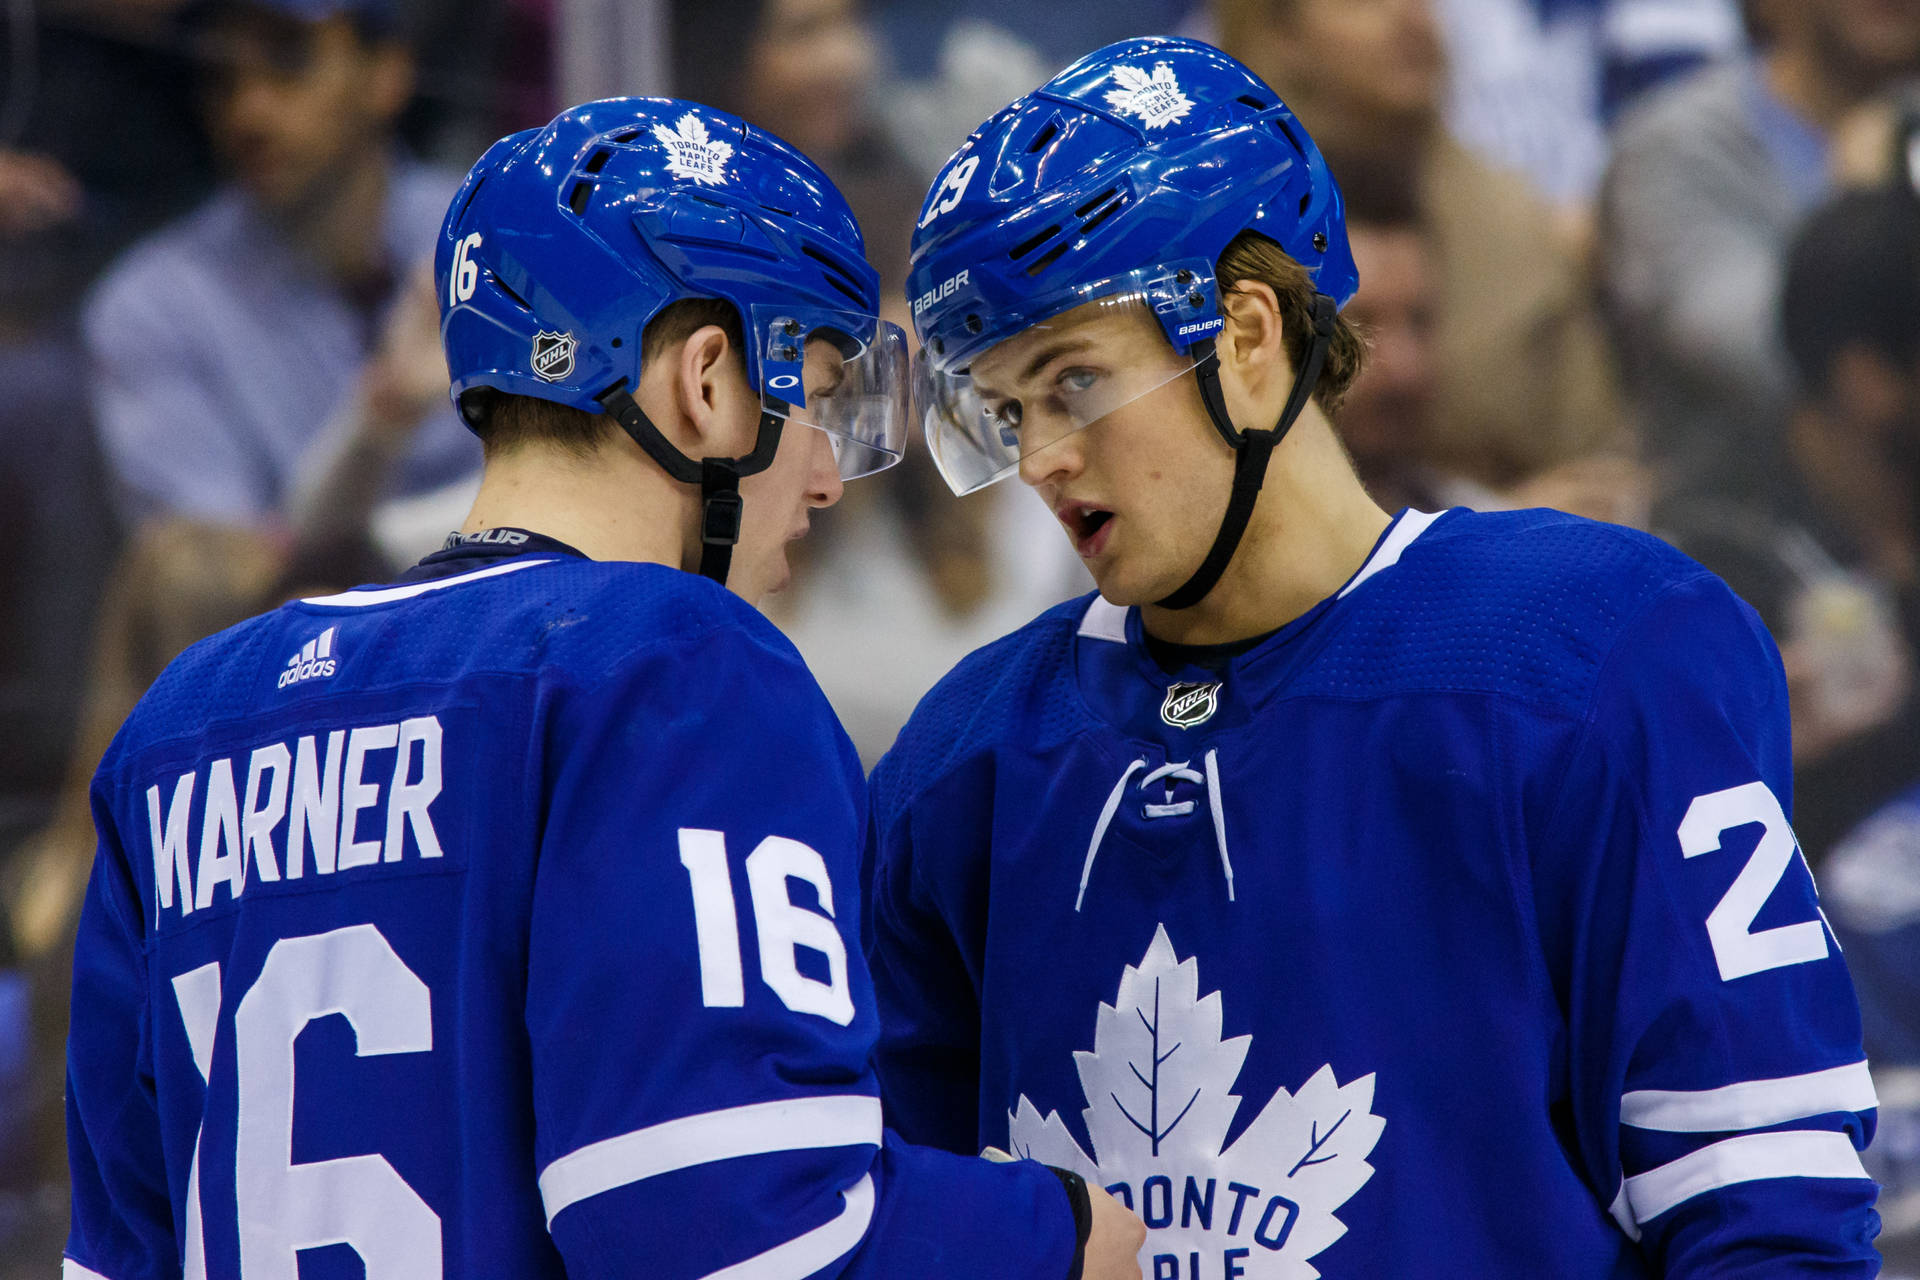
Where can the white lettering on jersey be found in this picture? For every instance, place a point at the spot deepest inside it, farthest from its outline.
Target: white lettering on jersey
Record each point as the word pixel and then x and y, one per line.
pixel 295 794
pixel 1159 1088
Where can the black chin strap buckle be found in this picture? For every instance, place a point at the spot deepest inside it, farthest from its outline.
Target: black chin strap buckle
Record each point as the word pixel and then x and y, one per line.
pixel 720 512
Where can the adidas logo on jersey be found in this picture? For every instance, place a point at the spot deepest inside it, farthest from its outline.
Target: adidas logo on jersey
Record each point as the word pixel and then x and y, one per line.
pixel 315 661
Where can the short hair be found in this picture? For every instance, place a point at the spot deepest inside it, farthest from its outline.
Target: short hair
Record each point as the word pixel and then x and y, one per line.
pixel 506 423
pixel 1251 256
pixel 1853 280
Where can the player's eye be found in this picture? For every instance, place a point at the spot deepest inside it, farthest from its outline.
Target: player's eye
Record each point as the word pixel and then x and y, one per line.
pixel 1077 381
pixel 1005 418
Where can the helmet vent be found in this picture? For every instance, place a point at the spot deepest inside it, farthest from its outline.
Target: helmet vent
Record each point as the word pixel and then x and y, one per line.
pixel 1043 137
pixel 1101 216
pixel 1094 203
pixel 1027 246
pixel 1280 123
pixel 626 136
pixel 598 161
pixel 512 297
pixel 833 274
pixel 1046 259
pixel 478 183
pixel 578 198
pixel 1251 101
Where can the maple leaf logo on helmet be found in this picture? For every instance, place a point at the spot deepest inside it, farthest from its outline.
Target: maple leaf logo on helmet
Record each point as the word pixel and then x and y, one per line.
pixel 693 153
pixel 1156 98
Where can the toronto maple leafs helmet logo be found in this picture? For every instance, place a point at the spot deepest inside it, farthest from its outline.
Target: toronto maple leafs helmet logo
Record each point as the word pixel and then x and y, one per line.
pixel 1155 97
pixel 1159 1091
pixel 693 153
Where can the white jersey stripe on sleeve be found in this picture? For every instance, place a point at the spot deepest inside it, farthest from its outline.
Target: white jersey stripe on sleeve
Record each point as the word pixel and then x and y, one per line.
pixel 803 1255
pixel 789 1124
pixel 1751 1104
pixel 1752 1157
pixel 71 1270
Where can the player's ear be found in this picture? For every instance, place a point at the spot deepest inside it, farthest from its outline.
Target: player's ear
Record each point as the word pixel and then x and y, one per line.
pixel 1252 346
pixel 709 390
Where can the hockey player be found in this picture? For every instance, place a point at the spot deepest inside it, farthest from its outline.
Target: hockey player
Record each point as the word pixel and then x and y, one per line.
pixel 493 922
pixel 1383 896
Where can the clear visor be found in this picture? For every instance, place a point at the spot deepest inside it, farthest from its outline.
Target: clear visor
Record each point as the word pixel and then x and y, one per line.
pixel 845 374
pixel 1042 385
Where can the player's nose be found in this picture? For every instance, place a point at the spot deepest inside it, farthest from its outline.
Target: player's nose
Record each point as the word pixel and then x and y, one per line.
pixel 824 485
pixel 1054 462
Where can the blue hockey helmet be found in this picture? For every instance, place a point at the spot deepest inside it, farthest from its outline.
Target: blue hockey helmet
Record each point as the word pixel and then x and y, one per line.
pixel 1122 178
pixel 564 242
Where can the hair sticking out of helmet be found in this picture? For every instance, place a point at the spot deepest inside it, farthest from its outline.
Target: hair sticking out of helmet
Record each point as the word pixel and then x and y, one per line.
pixel 1131 171
pixel 565 243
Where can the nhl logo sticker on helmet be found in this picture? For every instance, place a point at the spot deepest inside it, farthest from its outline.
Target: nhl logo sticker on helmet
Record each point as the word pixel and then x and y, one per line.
pixel 553 355
pixel 692 153
pixel 1155 98
pixel 1188 705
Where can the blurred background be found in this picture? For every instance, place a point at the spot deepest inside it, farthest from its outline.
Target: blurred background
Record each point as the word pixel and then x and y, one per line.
pixel 1651 261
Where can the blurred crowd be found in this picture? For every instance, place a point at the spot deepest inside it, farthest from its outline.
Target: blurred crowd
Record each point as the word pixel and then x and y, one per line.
pixel 1651 261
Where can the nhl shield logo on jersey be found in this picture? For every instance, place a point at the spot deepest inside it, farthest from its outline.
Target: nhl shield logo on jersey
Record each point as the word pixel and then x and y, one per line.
pixel 1155 97
pixel 553 355
pixel 692 152
pixel 1190 704
pixel 1160 1102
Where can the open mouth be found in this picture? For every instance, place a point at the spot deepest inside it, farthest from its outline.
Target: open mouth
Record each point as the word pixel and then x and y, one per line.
pixel 1087 524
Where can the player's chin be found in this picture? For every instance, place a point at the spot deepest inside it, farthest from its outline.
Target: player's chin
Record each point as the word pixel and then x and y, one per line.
pixel 1126 583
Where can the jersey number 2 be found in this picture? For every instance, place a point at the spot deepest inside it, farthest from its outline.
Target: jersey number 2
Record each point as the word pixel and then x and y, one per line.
pixel 781 926
pixel 284 1207
pixel 1738 948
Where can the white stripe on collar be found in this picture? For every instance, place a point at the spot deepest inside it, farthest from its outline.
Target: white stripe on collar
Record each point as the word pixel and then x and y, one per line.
pixel 1398 539
pixel 386 595
pixel 1106 621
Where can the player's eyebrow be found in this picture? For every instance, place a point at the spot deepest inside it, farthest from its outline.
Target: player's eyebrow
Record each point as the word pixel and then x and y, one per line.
pixel 1064 345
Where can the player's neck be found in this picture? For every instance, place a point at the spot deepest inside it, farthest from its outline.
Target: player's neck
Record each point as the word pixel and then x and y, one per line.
pixel 609 507
pixel 1313 528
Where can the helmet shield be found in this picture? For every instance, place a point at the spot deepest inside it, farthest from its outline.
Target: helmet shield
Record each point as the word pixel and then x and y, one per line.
pixel 1103 348
pixel 844 373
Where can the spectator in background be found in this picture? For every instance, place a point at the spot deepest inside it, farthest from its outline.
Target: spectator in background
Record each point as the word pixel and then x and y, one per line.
pixel 1852 324
pixel 1386 419
pixel 1523 376
pixel 235 354
pixel 1535 84
pixel 1850 320
pixel 1708 180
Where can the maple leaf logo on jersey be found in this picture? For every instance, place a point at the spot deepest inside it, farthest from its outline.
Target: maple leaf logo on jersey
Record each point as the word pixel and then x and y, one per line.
pixel 1159 1090
pixel 1155 98
pixel 692 153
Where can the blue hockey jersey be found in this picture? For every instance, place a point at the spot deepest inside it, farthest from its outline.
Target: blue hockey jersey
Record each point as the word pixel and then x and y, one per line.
pixel 1457 929
pixel 497 923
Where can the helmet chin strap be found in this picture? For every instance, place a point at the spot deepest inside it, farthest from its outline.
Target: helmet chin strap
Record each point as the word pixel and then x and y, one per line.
pixel 718 478
pixel 1253 450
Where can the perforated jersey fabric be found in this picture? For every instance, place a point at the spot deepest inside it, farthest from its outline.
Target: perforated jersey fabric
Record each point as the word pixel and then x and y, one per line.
pixel 1462 914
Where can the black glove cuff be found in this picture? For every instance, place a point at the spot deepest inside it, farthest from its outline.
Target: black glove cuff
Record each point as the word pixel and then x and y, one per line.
pixel 1082 1216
